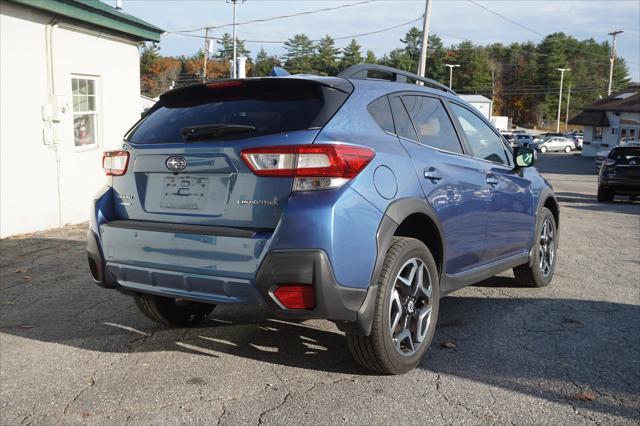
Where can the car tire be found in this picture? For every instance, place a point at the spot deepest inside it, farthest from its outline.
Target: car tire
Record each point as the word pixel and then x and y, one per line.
pixel 405 314
pixel 543 149
pixel 539 271
pixel 172 312
pixel 605 195
pixel 567 149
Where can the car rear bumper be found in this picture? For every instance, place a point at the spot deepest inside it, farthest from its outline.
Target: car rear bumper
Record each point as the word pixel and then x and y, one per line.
pixel 311 267
pixel 223 265
pixel 629 186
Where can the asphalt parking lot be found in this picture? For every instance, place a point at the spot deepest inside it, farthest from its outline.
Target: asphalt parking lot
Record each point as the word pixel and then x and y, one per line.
pixel 71 352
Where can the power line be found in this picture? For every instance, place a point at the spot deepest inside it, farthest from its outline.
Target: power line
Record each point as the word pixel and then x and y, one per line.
pixel 527 28
pixel 314 40
pixel 504 17
pixel 273 18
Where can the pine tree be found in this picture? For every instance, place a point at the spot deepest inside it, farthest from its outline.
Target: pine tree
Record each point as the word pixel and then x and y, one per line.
pixel 225 51
pixel 264 64
pixel 326 58
pixel 148 56
pixel 412 48
pixel 474 74
pixel 351 55
pixel 300 54
pixel 371 57
pixel 436 58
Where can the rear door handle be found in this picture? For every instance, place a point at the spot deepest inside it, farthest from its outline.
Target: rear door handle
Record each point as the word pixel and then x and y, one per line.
pixel 492 180
pixel 432 174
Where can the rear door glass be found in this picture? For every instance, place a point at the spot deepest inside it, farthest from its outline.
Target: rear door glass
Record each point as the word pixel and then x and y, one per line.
pixel 404 128
pixel 432 123
pixel 380 110
pixel 264 107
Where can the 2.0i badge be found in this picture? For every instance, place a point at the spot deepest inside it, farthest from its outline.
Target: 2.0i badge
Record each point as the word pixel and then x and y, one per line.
pixel 176 163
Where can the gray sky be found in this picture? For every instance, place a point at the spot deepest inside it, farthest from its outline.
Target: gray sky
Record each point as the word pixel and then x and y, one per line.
pixel 453 20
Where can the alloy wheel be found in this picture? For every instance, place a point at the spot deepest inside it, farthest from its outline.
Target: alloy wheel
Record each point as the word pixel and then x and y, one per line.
pixel 411 307
pixel 547 248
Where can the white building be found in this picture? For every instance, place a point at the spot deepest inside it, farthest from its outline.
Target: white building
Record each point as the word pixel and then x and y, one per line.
pixel 610 121
pixel 482 104
pixel 69 89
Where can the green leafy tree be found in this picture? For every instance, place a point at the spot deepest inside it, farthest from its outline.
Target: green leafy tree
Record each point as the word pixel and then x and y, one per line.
pixel 351 55
pixel 299 56
pixel 326 58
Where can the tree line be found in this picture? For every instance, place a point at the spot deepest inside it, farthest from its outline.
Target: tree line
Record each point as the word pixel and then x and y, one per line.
pixel 521 78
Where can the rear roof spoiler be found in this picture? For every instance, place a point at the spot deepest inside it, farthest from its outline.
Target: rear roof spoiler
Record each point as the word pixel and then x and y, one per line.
pixel 361 72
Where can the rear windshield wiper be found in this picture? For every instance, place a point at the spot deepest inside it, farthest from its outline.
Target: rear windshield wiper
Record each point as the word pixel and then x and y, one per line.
pixel 213 130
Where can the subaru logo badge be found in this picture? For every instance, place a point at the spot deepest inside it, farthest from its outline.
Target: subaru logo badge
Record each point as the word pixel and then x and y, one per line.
pixel 176 163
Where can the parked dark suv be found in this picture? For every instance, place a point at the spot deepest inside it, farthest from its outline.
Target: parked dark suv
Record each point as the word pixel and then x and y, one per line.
pixel 620 173
pixel 352 199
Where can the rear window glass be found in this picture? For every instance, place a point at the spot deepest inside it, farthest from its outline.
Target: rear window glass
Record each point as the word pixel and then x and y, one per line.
pixel 626 156
pixel 255 109
pixel 380 110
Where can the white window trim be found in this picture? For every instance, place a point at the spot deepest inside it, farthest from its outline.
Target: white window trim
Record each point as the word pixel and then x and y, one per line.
pixel 97 113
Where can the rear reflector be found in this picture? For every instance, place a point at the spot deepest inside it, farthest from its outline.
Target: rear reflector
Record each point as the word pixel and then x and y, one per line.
pixel 296 296
pixel 115 163
pixel 313 166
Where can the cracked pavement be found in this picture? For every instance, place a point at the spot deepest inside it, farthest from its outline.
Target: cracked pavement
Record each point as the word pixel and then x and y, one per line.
pixel 71 352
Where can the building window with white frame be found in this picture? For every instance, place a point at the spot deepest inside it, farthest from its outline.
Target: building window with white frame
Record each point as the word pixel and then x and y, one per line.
pixel 85 111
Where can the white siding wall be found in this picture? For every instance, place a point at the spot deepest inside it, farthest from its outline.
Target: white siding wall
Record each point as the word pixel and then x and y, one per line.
pixel 483 107
pixel 42 187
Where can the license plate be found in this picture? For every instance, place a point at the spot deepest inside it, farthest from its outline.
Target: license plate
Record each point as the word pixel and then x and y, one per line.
pixel 184 193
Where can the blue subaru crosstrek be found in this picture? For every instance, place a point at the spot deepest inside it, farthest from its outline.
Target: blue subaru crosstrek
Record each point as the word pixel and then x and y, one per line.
pixel 361 199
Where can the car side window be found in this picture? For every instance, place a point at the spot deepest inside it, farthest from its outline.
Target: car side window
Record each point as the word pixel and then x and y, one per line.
pixel 432 123
pixel 380 110
pixel 483 141
pixel 404 128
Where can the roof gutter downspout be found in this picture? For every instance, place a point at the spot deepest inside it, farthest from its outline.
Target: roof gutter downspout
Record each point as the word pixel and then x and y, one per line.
pixel 49 123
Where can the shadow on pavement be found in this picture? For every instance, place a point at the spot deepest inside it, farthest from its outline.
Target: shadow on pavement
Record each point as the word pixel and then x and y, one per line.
pixel 548 348
pixel 581 201
pixel 565 164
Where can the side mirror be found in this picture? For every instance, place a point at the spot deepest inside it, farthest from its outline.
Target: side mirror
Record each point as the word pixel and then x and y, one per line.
pixel 524 157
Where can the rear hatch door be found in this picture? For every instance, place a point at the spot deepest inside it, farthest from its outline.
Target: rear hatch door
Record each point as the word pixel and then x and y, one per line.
pixel 185 165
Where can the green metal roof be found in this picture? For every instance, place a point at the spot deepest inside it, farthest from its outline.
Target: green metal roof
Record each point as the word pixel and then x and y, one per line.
pixel 99 14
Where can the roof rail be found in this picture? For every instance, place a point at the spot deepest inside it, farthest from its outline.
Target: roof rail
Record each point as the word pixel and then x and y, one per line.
pixel 361 72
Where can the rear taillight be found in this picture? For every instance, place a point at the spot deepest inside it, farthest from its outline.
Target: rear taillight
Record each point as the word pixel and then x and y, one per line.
pixel 115 163
pixel 313 166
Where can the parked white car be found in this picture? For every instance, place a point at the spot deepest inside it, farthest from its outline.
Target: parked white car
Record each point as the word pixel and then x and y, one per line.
pixel 554 143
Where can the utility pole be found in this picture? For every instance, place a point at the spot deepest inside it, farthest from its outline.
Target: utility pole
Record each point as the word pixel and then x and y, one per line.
pixel 422 66
pixel 234 65
pixel 234 73
pixel 206 53
pixel 566 117
pixel 451 67
pixel 562 70
pixel 612 59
